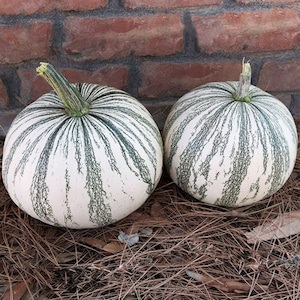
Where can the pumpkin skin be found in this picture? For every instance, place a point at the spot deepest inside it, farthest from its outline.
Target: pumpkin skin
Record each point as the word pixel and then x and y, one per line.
pixel 228 152
pixel 86 171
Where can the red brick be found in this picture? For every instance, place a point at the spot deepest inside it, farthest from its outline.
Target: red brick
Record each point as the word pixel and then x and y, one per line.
pixel 242 32
pixel 169 3
pixel 19 43
pixel 106 38
pixel 162 79
pixel 280 76
pixel 4 100
pixel 33 86
pixel 15 7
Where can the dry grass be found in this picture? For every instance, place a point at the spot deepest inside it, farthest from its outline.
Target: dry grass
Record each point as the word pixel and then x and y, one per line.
pixel 43 262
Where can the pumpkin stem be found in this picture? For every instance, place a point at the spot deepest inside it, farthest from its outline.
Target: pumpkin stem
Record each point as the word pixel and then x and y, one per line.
pixel 242 93
pixel 73 101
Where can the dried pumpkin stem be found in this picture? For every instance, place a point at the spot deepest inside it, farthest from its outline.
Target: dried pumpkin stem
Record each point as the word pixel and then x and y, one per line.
pixel 242 93
pixel 73 101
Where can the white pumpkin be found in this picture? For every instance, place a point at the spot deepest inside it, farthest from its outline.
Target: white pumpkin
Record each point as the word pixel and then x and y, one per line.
pixel 230 143
pixel 83 156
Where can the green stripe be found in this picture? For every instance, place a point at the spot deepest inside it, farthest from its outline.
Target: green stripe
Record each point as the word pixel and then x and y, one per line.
pixel 99 212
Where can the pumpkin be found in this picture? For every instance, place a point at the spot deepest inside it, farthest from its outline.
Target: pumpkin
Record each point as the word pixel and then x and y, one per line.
pixel 229 143
pixel 82 156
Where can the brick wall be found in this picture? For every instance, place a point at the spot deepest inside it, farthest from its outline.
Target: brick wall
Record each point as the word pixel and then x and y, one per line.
pixel 155 50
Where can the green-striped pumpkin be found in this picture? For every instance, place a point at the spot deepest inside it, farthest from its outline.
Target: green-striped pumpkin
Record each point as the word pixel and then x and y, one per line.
pixel 229 143
pixel 83 156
